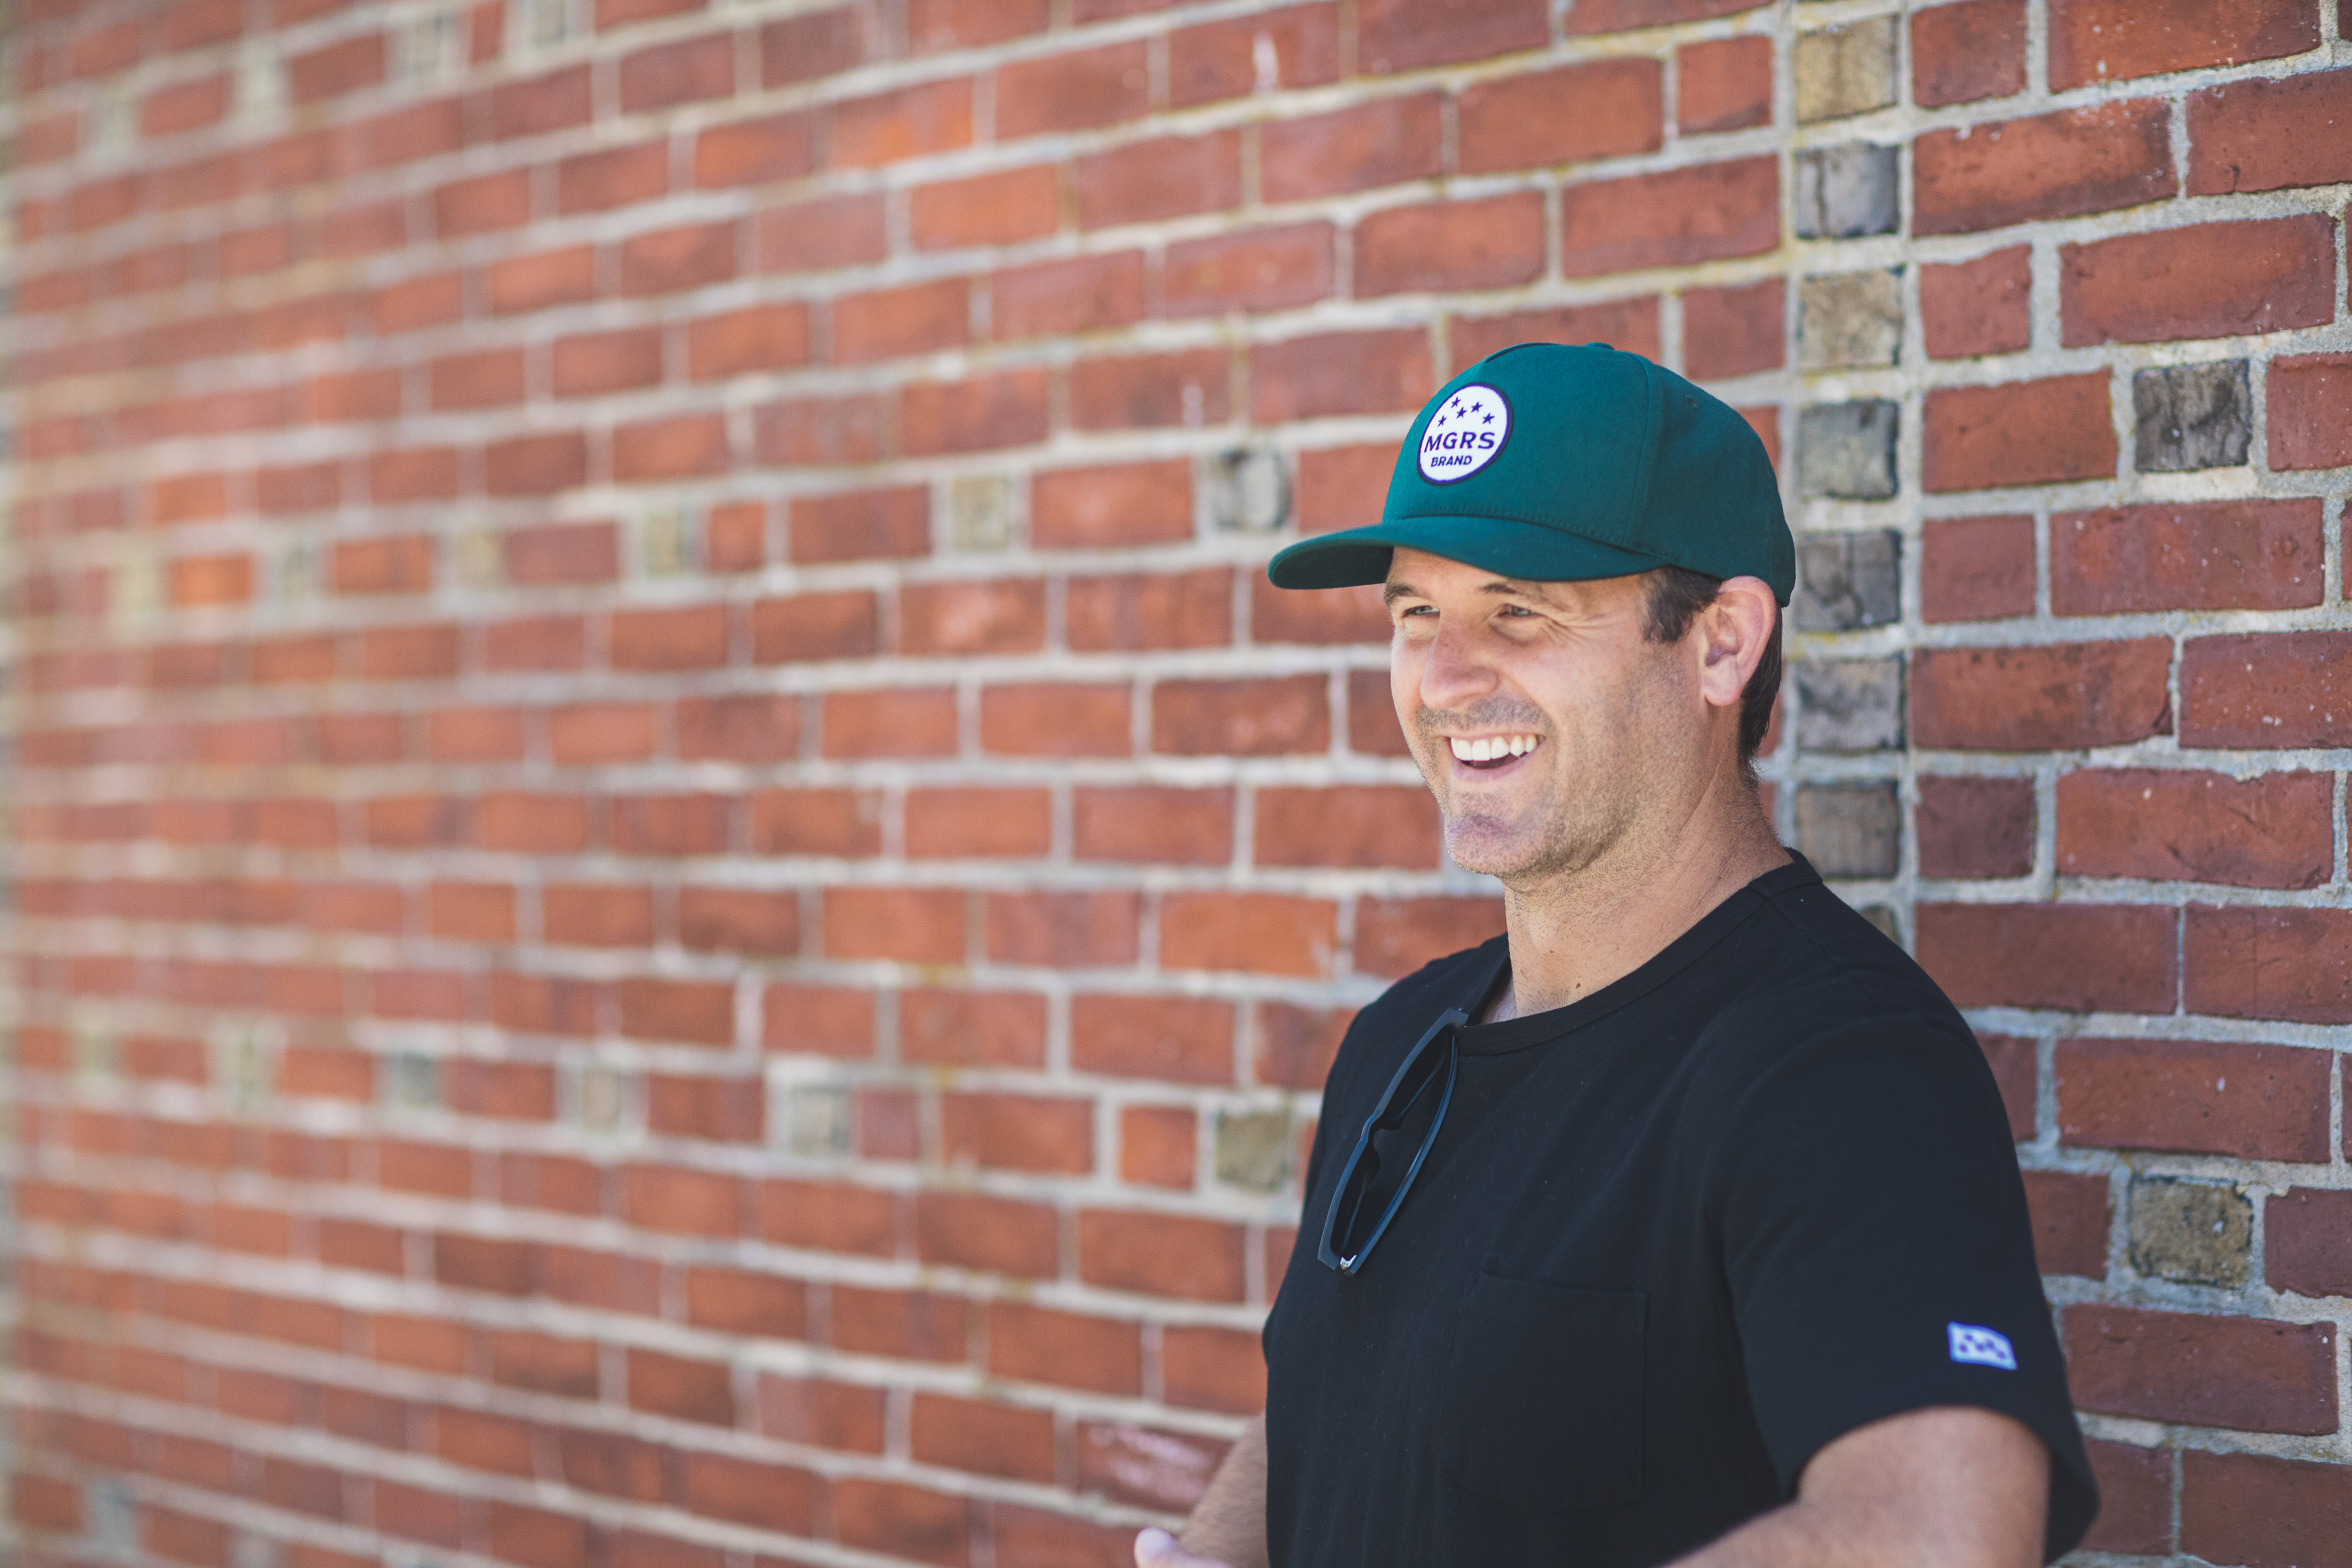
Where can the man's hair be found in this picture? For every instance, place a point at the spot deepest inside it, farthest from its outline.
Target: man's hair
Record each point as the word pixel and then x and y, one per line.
pixel 1675 595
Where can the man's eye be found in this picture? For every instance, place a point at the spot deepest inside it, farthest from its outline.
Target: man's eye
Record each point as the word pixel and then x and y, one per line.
pixel 1517 611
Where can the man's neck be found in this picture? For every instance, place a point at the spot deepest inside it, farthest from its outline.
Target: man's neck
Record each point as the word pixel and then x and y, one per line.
pixel 1575 933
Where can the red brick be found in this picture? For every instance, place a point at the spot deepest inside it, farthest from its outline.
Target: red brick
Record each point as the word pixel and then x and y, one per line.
pixel 959 823
pixel 2264 1512
pixel 1206 1368
pixel 1153 824
pixel 2134 1500
pixel 905 1522
pixel 756 152
pixel 1073 91
pixel 936 25
pixel 1606 109
pixel 482 204
pixel 1975 826
pixel 2070 1218
pixel 2311 411
pixel 1630 324
pixel 1160 1254
pixel 829 1218
pixel 972 617
pixel 675 260
pixel 332 70
pixel 2064 164
pixel 1269 717
pixel 1618 15
pixel 2247 1374
pixel 592 363
pixel 1333 373
pixel 2070 957
pixel 1192 387
pixel 1018 1132
pixel 2040 698
pixel 670 448
pixel 999 1236
pixel 731 920
pixel 2109 41
pixel 1008 409
pixel 1393 35
pixel 1063 299
pixel 1347 825
pixel 597 917
pixel 2290 963
pixel 766 1497
pixel 2292 689
pixel 1147 182
pixel 1055 720
pixel 614 177
pixel 972 1029
pixel 540 104
pixel 1703 213
pixel 1171 1038
pixel 811 44
pixel 2308 1241
pixel 1976 568
pixel 1961 54
pixel 734 535
pixel 2223 556
pixel 826 232
pixel 1729 331
pixel 1396 936
pixel 1249 269
pixel 2019 433
pixel 2254 1102
pixel 1380 142
pixel 982 1438
pixel 913 925
pixel 999 208
pixel 2213 280
pixel 1220 60
pixel 668 823
pixel 533 465
pixel 1138 503
pixel 1157 1145
pixel 2017 1073
pixel 690 1011
pixel 691 70
pixel 817 822
pixel 918 722
pixel 2270 134
pixel 823 1414
pixel 1267 934
pixel 183 105
pixel 1135 611
pixel 1725 84
pixel 1063 929
pixel 1036 1344
pixel 1451 244
pixel 1971 307
pixel 858 525
pixel 401 564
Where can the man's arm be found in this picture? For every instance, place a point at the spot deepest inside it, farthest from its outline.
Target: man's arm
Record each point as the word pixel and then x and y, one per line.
pixel 1227 1527
pixel 1951 1487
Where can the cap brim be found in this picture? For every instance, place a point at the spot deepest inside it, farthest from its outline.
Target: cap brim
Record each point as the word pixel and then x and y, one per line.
pixel 1527 551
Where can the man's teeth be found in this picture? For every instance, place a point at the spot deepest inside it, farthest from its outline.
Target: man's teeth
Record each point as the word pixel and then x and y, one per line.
pixel 1491 748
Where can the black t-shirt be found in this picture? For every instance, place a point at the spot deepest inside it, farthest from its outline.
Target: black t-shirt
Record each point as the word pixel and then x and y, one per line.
pixel 1672 1239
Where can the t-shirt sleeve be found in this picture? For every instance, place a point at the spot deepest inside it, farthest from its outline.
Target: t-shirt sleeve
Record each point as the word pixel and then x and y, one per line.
pixel 1876 1241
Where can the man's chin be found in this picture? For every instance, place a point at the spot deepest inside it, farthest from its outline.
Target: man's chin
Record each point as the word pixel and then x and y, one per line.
pixel 1495 848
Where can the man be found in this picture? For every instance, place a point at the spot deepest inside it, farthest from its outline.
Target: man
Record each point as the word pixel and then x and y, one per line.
pixel 1681 1223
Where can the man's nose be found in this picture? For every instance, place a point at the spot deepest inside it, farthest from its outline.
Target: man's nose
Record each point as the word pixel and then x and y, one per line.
pixel 1457 669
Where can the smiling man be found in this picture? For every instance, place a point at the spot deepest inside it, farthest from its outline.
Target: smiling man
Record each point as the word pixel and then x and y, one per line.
pixel 1681 1223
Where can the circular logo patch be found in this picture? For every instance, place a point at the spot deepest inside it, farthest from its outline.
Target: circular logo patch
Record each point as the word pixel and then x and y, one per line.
pixel 1465 436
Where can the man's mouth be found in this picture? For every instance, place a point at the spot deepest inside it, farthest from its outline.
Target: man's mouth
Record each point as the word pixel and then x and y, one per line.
pixel 1488 752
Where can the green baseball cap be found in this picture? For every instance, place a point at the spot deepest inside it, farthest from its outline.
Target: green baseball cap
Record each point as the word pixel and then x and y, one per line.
pixel 1554 463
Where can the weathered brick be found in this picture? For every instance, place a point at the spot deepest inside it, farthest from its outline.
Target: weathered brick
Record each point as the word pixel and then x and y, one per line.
pixel 1847 191
pixel 2246 1373
pixel 2192 417
pixel 2106 40
pixel 2308 1241
pixel 2288 964
pixel 2270 134
pixel 2311 411
pixel 1724 84
pixel 2289 689
pixel 2063 164
pixel 1607 109
pixel 1453 245
pixel 2265 1513
pixel 1981 307
pixel 1393 35
pixel 1144 181
pixel 2218 556
pixel 1975 826
pixel 1706 213
pixel 1072 91
pixel 2261 1102
pixel 2212 280
pixel 2070 957
pixel 2019 433
pixel 1962 53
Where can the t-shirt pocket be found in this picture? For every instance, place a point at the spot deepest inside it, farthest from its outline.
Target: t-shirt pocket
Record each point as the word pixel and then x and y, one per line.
pixel 1543 1399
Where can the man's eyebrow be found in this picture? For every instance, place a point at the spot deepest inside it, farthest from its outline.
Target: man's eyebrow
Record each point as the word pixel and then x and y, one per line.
pixel 1394 590
pixel 1511 587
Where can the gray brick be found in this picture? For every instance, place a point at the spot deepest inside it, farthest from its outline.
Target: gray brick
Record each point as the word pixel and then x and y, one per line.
pixel 2199 1232
pixel 1845 70
pixel 1848 190
pixel 1254 1149
pixel 1850 704
pixel 983 513
pixel 1849 318
pixel 2193 417
pixel 1847 449
pixel 1847 581
pixel 1851 830
pixel 1244 491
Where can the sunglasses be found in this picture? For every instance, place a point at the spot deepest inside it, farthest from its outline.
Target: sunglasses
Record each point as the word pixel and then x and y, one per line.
pixel 1347 1240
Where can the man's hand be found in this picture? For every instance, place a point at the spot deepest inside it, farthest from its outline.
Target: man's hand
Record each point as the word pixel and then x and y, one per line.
pixel 1158 1549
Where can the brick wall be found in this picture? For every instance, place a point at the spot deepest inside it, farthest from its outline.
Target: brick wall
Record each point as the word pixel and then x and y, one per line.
pixel 678 899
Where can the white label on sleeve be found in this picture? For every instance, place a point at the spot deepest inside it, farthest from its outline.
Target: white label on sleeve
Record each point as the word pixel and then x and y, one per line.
pixel 1977 1346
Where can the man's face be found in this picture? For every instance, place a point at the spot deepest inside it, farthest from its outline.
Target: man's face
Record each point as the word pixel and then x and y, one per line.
pixel 1548 724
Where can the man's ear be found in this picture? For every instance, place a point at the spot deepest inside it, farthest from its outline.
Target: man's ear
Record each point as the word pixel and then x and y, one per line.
pixel 1732 633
